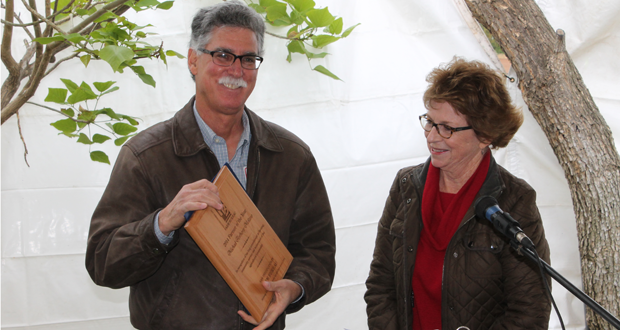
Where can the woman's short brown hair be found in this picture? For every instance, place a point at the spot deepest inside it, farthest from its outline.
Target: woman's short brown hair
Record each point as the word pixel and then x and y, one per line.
pixel 477 92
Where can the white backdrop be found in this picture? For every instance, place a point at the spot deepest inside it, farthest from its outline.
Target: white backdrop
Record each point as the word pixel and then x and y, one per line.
pixel 361 131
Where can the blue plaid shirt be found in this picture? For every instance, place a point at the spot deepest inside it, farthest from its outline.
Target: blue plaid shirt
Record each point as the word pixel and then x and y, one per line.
pixel 238 163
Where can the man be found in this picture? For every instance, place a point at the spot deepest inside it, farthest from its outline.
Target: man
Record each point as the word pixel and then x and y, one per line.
pixel 136 236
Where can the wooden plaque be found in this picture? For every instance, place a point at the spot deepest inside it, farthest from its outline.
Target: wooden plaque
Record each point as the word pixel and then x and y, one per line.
pixel 240 244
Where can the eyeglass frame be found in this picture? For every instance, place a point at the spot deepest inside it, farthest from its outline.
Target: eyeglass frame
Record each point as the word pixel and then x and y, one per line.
pixel 235 57
pixel 450 128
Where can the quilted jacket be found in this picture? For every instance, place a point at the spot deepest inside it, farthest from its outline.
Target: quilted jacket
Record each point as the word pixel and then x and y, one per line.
pixel 175 286
pixel 486 284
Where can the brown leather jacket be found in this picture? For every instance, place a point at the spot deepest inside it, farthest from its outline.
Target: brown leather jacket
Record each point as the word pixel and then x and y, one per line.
pixel 175 286
pixel 486 284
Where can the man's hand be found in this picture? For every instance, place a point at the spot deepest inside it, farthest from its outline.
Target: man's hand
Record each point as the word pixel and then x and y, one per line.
pixel 284 293
pixel 194 196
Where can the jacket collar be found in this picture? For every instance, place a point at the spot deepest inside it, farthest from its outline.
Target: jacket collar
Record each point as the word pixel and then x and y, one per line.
pixel 493 184
pixel 188 141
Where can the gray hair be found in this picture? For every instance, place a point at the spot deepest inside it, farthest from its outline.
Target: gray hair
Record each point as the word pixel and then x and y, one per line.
pixel 232 13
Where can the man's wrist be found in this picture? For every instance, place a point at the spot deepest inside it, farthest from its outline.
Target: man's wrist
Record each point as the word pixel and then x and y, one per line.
pixel 163 238
pixel 301 295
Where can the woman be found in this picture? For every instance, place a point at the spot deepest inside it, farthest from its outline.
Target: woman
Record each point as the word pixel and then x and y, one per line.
pixel 436 265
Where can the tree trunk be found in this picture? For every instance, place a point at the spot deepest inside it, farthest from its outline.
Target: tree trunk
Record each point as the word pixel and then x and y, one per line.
pixel 562 105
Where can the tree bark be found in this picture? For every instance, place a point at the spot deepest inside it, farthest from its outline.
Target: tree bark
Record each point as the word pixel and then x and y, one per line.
pixel 562 105
pixel 35 72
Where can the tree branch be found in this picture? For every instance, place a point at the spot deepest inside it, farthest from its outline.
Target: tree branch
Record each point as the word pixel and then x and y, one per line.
pixel 57 63
pixel 60 112
pixel 9 85
pixel 42 19
pixel 21 136
pixel 96 15
pixel 25 29
pixel 7 36
pixel 276 35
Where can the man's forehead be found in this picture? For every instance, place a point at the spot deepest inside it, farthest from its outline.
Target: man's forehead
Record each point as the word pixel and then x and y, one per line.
pixel 230 38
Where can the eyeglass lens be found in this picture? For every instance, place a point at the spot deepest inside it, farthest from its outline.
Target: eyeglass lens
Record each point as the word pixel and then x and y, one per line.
pixel 427 125
pixel 250 62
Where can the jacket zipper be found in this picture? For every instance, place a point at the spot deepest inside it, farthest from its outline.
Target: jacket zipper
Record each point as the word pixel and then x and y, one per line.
pixel 251 194
pixel 443 267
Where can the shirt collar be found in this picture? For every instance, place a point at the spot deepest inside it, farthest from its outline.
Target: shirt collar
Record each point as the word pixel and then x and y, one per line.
pixel 209 135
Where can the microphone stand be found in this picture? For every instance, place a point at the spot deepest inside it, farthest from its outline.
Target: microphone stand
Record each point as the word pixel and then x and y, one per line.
pixel 568 285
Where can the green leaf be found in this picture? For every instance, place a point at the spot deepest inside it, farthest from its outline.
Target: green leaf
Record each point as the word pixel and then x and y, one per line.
pixel 81 12
pixel 56 95
pixel 293 32
pixel 99 138
pixel 110 113
pixel 326 72
pixel 99 156
pixel 296 46
pixel 335 27
pixel 86 115
pixel 75 37
pixel 71 86
pixel 130 119
pixel 103 86
pixel 323 40
pixel 85 59
pixel 123 129
pixel 258 8
pixel 269 3
pixel 173 53
pixel 147 3
pixel 45 41
pixel 165 5
pixel 276 11
pixel 116 55
pixel 320 17
pixel 297 18
pixel 146 78
pixel 105 17
pixel 84 139
pixel 68 112
pixel 119 142
pixel 113 89
pixel 302 5
pixel 311 55
pixel 82 93
pixel 349 30
pixel 66 126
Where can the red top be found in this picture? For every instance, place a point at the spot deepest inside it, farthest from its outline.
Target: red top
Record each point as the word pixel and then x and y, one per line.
pixel 441 215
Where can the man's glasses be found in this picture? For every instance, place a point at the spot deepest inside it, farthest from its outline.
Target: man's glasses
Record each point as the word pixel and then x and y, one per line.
pixel 443 130
pixel 224 58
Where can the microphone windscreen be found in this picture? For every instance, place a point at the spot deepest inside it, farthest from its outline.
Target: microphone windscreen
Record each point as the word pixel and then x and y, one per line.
pixel 482 204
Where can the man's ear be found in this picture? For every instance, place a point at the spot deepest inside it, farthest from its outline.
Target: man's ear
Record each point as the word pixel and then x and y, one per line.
pixel 192 59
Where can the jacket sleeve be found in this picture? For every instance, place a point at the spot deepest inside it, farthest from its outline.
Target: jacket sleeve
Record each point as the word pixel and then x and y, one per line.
pixel 122 247
pixel 527 304
pixel 380 296
pixel 312 238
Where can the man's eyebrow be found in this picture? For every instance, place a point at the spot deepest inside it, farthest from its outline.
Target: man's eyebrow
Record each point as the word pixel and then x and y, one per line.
pixel 228 50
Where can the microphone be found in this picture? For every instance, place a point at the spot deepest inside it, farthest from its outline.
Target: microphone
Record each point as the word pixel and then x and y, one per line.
pixel 486 207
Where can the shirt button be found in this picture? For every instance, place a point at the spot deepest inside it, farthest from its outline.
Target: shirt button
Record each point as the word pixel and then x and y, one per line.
pixel 410 248
pixel 456 255
pixel 404 180
pixel 409 201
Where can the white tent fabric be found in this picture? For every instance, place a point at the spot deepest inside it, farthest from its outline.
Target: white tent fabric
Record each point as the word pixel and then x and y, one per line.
pixel 361 131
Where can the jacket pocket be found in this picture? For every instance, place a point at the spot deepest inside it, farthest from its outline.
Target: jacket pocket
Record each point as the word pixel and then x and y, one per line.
pixel 482 255
pixel 165 301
